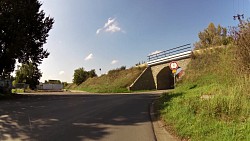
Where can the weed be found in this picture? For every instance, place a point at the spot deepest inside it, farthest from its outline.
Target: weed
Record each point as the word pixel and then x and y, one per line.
pixel 116 81
pixel 212 102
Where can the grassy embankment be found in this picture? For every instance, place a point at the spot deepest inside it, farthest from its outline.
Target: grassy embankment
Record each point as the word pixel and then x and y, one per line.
pixel 115 81
pixel 212 101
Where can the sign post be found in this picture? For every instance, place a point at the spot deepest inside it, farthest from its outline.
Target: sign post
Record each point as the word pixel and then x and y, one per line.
pixel 174 66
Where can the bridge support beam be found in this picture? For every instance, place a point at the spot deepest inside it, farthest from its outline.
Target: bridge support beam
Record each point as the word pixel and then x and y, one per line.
pixel 157 77
pixel 144 82
pixel 158 69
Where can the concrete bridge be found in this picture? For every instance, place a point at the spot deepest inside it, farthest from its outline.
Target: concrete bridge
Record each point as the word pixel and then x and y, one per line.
pixel 158 74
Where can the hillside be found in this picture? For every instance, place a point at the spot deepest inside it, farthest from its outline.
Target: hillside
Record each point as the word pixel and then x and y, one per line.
pixel 212 101
pixel 115 81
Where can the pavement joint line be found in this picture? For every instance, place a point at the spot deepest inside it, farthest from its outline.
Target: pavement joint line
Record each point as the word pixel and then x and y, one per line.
pixel 160 132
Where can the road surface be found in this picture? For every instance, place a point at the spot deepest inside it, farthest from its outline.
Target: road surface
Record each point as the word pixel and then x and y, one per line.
pixel 120 117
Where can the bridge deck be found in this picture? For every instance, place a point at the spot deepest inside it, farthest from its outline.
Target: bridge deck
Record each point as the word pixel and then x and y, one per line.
pixel 173 54
pixel 175 57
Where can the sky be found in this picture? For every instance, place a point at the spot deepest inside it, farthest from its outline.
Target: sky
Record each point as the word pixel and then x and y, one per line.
pixel 108 34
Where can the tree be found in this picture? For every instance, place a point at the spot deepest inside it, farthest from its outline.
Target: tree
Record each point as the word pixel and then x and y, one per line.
pixel 23 31
pixel 242 50
pixel 80 75
pixel 212 36
pixel 28 73
pixel 92 73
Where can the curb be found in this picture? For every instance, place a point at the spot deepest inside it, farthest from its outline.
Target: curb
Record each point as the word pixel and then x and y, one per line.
pixel 158 126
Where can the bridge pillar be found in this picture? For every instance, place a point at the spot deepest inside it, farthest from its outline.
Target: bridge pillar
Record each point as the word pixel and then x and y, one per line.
pixel 144 82
pixel 158 75
pixel 165 81
pixel 155 70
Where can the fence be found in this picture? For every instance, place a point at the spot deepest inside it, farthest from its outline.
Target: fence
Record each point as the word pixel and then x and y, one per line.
pixel 171 52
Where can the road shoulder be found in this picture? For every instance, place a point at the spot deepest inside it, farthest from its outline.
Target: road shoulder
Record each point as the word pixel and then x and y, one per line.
pixel 161 133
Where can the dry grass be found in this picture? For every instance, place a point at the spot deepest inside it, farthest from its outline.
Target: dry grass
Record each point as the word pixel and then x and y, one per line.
pixel 115 81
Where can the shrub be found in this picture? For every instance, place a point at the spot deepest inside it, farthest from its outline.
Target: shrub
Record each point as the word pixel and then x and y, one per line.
pixel 242 51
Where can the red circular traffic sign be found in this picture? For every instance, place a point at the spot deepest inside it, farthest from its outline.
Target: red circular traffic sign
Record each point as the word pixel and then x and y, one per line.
pixel 173 65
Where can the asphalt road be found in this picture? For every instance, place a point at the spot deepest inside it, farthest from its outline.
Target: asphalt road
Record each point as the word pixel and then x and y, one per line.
pixel 120 117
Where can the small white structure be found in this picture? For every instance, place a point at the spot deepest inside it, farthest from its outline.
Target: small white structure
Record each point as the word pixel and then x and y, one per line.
pixel 53 87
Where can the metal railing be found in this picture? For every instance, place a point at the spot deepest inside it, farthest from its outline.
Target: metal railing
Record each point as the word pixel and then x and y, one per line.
pixel 170 52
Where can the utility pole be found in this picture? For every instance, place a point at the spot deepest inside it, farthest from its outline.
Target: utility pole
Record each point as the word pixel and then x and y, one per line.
pixel 239 17
pixel 100 71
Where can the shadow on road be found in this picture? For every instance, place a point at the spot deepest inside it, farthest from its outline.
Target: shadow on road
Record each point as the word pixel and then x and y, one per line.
pixel 72 117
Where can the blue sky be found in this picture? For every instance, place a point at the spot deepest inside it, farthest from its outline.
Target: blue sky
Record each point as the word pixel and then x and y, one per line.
pixel 108 34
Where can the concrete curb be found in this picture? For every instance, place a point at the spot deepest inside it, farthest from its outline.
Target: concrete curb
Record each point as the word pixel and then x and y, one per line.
pixel 160 132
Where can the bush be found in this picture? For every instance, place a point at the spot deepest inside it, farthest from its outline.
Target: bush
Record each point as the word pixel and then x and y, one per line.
pixel 243 48
pixel 117 70
pixel 212 101
pixel 80 75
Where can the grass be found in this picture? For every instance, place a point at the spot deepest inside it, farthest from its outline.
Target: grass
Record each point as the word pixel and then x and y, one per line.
pixel 212 101
pixel 115 81
pixel 17 90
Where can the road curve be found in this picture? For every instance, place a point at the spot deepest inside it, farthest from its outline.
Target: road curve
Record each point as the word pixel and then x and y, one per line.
pixel 119 117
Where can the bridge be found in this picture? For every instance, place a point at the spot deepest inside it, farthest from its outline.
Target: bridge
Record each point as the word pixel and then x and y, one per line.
pixel 158 75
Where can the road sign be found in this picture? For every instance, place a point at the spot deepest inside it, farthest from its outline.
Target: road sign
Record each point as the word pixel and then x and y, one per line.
pixel 173 66
pixel 174 71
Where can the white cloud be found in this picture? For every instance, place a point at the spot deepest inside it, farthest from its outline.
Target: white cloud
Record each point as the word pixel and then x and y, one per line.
pixel 110 26
pixel 110 22
pixel 90 56
pixel 114 62
pixel 113 28
pixel 155 52
pixel 61 72
pixel 98 30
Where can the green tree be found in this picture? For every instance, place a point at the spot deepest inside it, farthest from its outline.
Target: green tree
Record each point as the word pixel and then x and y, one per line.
pixel 28 73
pixel 212 36
pixel 80 75
pixel 24 29
pixel 65 84
pixel 92 73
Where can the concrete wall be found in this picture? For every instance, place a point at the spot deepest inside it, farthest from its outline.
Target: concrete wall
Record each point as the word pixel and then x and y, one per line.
pixel 144 82
pixel 158 77
pixel 158 68
pixel 50 87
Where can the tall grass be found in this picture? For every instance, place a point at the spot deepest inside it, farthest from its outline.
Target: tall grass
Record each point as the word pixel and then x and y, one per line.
pixel 116 81
pixel 212 101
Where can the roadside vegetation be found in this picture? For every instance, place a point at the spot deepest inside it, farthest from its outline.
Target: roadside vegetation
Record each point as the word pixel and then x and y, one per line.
pixel 28 73
pixel 24 30
pixel 114 81
pixel 80 75
pixel 212 101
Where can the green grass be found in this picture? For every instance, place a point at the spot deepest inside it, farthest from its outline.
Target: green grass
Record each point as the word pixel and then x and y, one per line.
pixel 225 116
pixel 116 81
pixel 210 103
pixel 17 90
